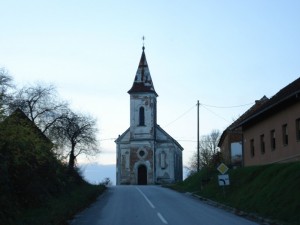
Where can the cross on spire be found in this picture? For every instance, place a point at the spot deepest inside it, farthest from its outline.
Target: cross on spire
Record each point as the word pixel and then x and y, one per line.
pixel 143 38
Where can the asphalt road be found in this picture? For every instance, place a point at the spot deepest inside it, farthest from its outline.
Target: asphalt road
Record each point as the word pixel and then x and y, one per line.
pixel 153 205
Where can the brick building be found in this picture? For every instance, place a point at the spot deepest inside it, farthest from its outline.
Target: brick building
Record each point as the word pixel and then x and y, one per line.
pixel 231 139
pixel 270 131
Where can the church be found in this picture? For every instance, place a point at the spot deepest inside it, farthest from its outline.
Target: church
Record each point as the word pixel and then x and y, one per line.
pixel 146 154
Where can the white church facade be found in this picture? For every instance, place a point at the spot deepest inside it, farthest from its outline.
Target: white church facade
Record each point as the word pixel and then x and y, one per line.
pixel 146 154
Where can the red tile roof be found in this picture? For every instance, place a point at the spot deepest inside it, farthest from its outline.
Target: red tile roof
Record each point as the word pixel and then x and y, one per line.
pixel 142 81
pixel 286 96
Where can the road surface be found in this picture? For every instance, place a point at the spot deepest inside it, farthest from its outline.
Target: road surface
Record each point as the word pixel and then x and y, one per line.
pixel 153 205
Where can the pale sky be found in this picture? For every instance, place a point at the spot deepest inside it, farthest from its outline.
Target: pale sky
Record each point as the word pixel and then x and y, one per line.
pixel 222 53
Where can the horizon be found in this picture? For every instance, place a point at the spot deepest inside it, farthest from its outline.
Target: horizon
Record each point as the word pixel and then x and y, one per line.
pixel 224 54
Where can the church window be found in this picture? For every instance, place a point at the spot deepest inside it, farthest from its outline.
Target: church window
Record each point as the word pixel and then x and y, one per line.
pixel 141 153
pixel 163 160
pixel 142 116
pixel 127 160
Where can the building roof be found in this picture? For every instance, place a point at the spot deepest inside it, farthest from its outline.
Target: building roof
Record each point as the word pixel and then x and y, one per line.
pixel 164 138
pixel 254 108
pixel 169 137
pixel 264 107
pixel 142 81
pixel 282 99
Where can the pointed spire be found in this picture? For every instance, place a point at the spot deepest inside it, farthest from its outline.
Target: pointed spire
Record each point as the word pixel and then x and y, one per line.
pixel 143 38
pixel 142 81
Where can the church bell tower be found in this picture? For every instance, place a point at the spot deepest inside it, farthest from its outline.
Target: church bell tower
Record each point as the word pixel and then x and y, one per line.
pixel 142 103
pixel 146 154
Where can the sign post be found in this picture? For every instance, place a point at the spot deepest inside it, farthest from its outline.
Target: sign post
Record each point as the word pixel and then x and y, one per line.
pixel 223 179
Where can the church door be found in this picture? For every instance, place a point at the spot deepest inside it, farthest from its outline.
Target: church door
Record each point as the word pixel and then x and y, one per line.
pixel 142 175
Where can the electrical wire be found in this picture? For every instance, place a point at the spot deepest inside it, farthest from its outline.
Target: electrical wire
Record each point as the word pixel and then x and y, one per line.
pixel 226 107
pixel 214 113
pixel 207 106
pixel 179 117
pixel 107 139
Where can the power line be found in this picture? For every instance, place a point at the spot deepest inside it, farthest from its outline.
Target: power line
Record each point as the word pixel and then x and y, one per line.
pixel 186 112
pixel 207 106
pixel 107 139
pixel 215 113
pixel 227 107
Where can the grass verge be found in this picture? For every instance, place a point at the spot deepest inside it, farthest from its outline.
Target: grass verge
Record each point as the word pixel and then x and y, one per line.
pixel 57 211
pixel 270 191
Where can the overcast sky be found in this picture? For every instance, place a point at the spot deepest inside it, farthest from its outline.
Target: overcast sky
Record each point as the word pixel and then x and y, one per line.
pixel 222 53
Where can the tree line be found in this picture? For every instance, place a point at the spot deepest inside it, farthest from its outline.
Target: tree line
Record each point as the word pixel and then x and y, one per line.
pixel 209 154
pixel 72 133
pixel 40 140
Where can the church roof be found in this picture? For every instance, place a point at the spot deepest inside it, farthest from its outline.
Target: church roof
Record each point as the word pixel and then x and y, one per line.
pixel 142 81
pixel 161 137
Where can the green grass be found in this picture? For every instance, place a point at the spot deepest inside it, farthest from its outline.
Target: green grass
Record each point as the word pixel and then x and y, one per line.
pixel 57 211
pixel 271 191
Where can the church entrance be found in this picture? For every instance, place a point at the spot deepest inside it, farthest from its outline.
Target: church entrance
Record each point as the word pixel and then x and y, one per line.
pixel 142 175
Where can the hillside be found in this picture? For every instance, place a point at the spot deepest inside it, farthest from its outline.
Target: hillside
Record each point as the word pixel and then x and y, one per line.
pixel 36 187
pixel 271 191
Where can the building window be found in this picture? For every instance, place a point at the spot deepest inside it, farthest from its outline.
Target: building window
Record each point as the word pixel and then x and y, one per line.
pixel 142 116
pixel 163 160
pixel 273 140
pixel 252 150
pixel 298 129
pixel 285 136
pixel 262 144
pixel 141 153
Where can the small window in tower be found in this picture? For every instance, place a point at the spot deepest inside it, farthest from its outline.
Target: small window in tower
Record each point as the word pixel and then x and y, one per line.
pixel 142 116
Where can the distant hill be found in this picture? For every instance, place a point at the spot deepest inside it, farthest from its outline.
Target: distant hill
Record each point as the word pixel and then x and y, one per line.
pixel 271 191
pixel 95 173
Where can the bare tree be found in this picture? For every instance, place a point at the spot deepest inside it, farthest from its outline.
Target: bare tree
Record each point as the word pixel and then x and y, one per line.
pixel 6 83
pixel 78 132
pixel 41 105
pixel 208 151
pixel 72 133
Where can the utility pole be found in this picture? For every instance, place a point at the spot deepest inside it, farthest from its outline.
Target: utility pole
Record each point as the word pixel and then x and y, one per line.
pixel 198 143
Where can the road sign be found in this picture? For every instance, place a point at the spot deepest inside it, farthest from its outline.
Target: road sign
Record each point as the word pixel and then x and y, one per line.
pixel 222 168
pixel 223 180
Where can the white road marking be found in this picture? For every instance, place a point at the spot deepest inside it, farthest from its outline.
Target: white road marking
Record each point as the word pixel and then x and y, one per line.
pixel 150 203
pixel 152 206
pixel 162 218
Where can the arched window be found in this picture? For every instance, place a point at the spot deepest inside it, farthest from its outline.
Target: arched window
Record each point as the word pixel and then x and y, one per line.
pixel 142 116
